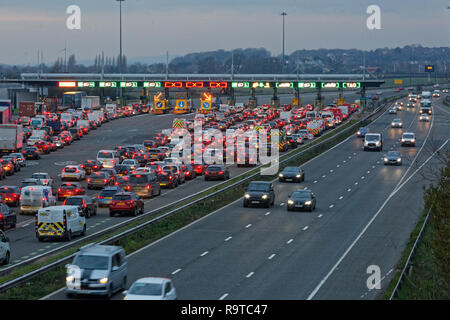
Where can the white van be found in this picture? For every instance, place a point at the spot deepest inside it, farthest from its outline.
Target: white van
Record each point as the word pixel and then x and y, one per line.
pixel 60 222
pixel 33 198
pixel 109 158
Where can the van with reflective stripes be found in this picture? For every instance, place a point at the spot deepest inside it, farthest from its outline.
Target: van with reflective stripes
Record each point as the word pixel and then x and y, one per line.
pixel 60 222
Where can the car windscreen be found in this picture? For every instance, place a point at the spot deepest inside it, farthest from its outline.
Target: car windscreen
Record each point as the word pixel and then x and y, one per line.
pixel 99 176
pixel 108 193
pixel 122 197
pixel 301 194
pixel 8 190
pixel 147 289
pixel 70 169
pixel 370 137
pixel 39 176
pixel 68 186
pixel 105 155
pixel 290 169
pixel 74 202
pixel 258 187
pixel 393 154
pixel 91 262
pixel 408 136
pixel 214 169
pixel 138 178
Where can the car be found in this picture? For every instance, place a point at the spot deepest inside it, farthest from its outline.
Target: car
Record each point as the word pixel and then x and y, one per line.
pixel 167 179
pixel 99 179
pixel 75 133
pixel 132 163
pixel 30 182
pixel 109 158
pixel 112 173
pixel 145 185
pixel 397 123
pixel 294 174
pixel 151 288
pixel 149 144
pixel 92 166
pixel 68 189
pixel 73 172
pixel 105 197
pixel 88 205
pixel 2 173
pixel 177 171
pixel 42 146
pixel 122 169
pixel 14 161
pixel 424 117
pixel 301 199
pixel 31 141
pixel 108 271
pixel 10 195
pixel 217 172
pixel 59 143
pixel 5 251
pixel 409 105
pixel 259 193
pixel 33 198
pixel 20 158
pixel 408 139
pixel 393 157
pixel 44 177
pixel 8 217
pixel 128 202
pixel 189 172
pixel 7 166
pixel 31 153
pixel 141 158
pixel 392 110
pixel 156 154
pixel 362 132
pixel 373 141
pixel 379 93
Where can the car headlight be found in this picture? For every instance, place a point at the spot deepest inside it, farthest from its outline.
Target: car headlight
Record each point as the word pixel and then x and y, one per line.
pixel 413 140
pixel 359 132
pixel 378 143
pixel 103 280
pixel 247 196
pixel 280 175
pixel 392 124
pixel 70 278
pixel 385 160
pixel 264 196
pixel 290 201
pixel 298 176
pixel 400 124
pixel 308 203
pixel 399 159
pixel 403 140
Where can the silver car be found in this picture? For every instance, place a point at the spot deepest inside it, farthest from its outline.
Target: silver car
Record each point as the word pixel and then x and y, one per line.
pixel 397 123
pixel 151 288
pixel 5 251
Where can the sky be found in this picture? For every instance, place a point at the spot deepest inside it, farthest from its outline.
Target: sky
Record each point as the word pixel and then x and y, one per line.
pixel 152 27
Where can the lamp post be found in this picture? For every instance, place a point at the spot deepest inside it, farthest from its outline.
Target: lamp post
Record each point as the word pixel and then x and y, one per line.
pixel 283 14
pixel 120 55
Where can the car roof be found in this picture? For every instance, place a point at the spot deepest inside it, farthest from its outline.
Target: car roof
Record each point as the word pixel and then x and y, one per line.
pixel 156 280
pixel 99 249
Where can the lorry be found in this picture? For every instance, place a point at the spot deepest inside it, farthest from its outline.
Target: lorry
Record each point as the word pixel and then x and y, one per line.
pixel 426 95
pixel 8 105
pixel 42 134
pixel 90 103
pixel 56 126
pixel 27 108
pixel 111 109
pixel 36 123
pixel 11 138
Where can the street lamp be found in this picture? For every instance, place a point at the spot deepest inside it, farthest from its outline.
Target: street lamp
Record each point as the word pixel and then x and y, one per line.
pixel 120 55
pixel 282 57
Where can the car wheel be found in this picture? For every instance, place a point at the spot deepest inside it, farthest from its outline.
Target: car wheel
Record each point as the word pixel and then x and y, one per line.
pixel 245 204
pixel 84 230
pixel 142 210
pixel 6 260
pixel 124 284
pixel 135 212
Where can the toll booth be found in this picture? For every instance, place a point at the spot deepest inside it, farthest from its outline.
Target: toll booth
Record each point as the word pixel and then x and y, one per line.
pixel 205 103
pixel 160 104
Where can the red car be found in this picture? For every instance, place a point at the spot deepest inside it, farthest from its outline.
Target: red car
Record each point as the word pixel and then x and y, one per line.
pixel 126 202
pixel 42 146
pixel 68 189
pixel 10 195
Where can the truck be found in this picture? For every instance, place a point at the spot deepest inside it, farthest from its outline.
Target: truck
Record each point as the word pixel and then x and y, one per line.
pixel 97 117
pixel 36 123
pixel 11 138
pixel 313 127
pixel 111 109
pixel 8 105
pixel 56 126
pixel 90 103
pixel 345 111
pixel 26 108
pixel 42 134
pixel 426 95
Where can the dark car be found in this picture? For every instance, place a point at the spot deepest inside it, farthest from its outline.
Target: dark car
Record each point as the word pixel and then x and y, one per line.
pixel 294 174
pixel 123 182
pixel 112 173
pixel 10 195
pixel 122 169
pixel 99 180
pixel 149 144
pixel 2 173
pixel 200 168
pixel 128 202
pixel 362 132
pixel 75 133
pixel 8 166
pixel 156 154
pixel 92 166
pixel 15 161
pixel 176 172
pixel 291 142
pixel 42 146
pixel 393 158
pixel 86 204
pixel 122 151
pixel 189 172
pixel 167 179
pixel 144 184
pixel 8 217
pixel 217 172
pixel 259 193
pixel 301 200
pixel 141 158
pixel 104 198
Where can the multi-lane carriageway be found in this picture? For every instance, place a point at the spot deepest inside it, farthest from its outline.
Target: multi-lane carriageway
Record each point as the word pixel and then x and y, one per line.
pixel 364 216
pixel 24 245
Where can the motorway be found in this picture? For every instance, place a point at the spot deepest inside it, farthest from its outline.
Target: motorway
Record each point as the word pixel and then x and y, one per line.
pixel 365 213
pixel 125 131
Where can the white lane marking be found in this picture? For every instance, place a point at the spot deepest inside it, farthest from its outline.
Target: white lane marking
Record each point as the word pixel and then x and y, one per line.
pixel 25 225
pixel 229 238
pixel 349 157
pixel 368 171
pixel 223 296
pixel 356 183
pixel 354 153
pixel 319 216
pixel 248 226
pixel 315 181
pixel 362 177
pixel 289 241
pixel 323 176
pixel 305 228
pixel 281 204
pixel 331 206
pixel 394 192
pixel 373 167
pixel 338 165
pixel 378 162
pixel 250 274
pixel 267 213
pixel 204 254
pixel 341 197
pixel 305 188
pixel 176 271
pixel 331 170
pixel 271 256
pixel 348 190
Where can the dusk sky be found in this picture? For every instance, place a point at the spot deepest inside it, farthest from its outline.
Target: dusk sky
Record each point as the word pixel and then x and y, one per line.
pixel 151 27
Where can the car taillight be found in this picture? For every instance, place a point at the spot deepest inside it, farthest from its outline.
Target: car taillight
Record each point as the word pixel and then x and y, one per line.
pixel 43 199
pixel 105 181
pixel 95 167
pixel 77 171
pixel 170 177
pixel 59 190
pixel 128 188
pixel 77 190
pixel 1 216
pixel 148 187
pixel 88 180
pixel 100 197
pixel 188 173
pixel 220 172
pixel 130 202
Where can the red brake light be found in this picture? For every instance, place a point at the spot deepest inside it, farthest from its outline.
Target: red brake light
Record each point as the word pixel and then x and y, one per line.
pixel 105 181
pixel 148 187
pixel 77 171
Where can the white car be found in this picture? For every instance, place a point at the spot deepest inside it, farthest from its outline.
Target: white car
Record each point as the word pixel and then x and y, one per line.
pixel 32 140
pixel 45 178
pixel 151 288
pixel 379 93
pixel 109 158
pixel 5 251
pixel 73 172
pixel 20 158
pixel 133 163
pixel 424 117
pixel 143 170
